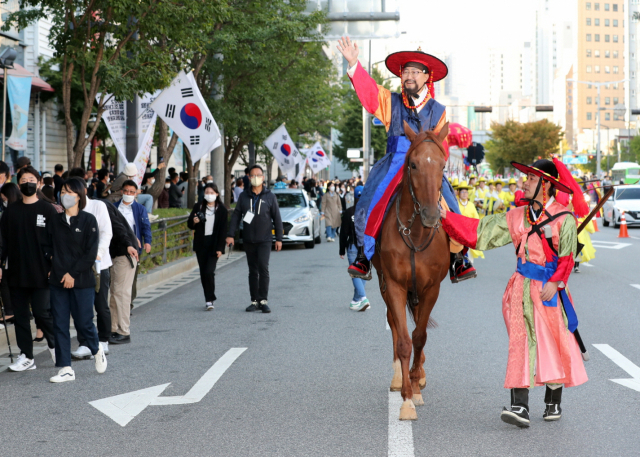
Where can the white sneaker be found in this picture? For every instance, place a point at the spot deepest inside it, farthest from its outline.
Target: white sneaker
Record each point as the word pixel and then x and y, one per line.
pixel 1 326
pixel 53 355
pixel 82 353
pixel 65 374
pixel 209 305
pixel 105 347
pixel 101 361
pixel 23 364
pixel 362 305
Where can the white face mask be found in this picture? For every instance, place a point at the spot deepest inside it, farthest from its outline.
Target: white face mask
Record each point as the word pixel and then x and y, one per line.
pixel 5 203
pixel 210 197
pixel 128 198
pixel 209 182
pixel 332 188
pixel 150 182
pixel 166 186
pixel 256 181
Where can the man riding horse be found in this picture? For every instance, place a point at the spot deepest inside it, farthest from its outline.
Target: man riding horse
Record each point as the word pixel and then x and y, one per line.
pixel 414 105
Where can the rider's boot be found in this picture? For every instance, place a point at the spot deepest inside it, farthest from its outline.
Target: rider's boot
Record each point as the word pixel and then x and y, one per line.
pixel 518 413
pixel 461 268
pixel 552 399
pixel 361 266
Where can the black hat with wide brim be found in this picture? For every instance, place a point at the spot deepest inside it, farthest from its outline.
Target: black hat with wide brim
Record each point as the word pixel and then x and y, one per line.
pixel 546 170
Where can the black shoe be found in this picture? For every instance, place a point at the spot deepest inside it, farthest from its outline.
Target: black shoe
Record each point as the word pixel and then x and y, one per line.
pixel 252 307
pixel 518 413
pixel 461 269
pixel 552 399
pixel 37 340
pixel 361 266
pixel 120 339
pixel 264 307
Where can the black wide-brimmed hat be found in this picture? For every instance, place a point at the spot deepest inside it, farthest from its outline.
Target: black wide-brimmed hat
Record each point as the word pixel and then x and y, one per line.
pixel 545 169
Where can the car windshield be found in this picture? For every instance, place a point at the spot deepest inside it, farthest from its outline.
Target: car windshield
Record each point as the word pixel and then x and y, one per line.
pixel 628 194
pixel 291 200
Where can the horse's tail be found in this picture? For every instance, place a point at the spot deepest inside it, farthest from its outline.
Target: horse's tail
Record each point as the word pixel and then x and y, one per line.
pixel 412 312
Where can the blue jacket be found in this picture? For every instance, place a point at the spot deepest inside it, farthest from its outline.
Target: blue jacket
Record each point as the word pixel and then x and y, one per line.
pixel 143 227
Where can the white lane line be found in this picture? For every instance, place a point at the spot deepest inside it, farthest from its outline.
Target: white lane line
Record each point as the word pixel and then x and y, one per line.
pixel 400 432
pixel 627 365
pixel 385 318
pixel 637 286
pixel 609 244
pixel 587 264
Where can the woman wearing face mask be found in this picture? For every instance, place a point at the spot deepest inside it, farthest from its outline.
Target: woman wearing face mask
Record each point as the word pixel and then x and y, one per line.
pixel 209 221
pixel 331 210
pixel 74 236
pixel 26 248
pixel 163 198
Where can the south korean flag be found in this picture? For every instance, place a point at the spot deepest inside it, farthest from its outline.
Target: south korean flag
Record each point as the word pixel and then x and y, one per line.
pixel 317 158
pixel 183 108
pixel 282 148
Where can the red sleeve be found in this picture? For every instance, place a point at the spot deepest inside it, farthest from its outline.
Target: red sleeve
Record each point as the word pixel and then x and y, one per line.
pixel 366 88
pixel 519 195
pixel 565 266
pixel 462 229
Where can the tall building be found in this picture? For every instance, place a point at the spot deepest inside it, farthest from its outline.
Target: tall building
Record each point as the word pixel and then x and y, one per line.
pixel 632 60
pixel 600 59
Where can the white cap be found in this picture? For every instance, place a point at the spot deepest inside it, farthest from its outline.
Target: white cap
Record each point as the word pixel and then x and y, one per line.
pixel 130 169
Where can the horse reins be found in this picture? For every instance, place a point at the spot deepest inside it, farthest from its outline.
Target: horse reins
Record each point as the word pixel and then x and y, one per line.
pixel 405 231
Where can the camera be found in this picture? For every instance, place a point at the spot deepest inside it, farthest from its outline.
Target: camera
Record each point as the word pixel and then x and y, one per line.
pixel 200 215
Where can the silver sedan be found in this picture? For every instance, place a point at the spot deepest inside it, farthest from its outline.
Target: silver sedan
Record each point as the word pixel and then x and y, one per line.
pixel 627 199
pixel 300 217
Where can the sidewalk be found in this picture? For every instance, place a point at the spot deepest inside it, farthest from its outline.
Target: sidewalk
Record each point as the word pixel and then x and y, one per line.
pixel 152 285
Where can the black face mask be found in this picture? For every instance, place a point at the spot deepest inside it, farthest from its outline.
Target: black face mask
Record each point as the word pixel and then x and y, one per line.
pixel 28 188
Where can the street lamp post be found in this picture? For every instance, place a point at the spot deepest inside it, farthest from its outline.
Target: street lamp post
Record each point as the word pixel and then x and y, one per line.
pixel 598 85
pixel 7 58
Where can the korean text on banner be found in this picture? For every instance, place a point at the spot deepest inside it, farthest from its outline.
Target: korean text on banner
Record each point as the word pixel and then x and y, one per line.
pixel 115 118
pixel 19 89
pixel 183 108
pixel 146 115
pixel 283 149
pixel 144 152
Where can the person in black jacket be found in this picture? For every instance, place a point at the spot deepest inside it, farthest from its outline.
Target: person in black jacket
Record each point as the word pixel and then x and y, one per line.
pixel 175 194
pixel 209 238
pixel 258 209
pixel 74 238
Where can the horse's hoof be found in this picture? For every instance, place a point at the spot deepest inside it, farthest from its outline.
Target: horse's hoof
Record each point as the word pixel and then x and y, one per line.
pixel 417 400
pixel 408 411
pixel 423 383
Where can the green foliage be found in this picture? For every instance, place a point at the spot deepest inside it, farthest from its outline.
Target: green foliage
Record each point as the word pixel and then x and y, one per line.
pixel 259 74
pixel 350 126
pixel 178 235
pixel 632 153
pixel 524 143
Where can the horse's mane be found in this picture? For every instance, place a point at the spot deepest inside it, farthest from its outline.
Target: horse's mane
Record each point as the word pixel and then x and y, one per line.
pixel 420 137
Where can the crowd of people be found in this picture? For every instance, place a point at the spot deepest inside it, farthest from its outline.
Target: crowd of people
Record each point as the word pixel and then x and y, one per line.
pixel 67 239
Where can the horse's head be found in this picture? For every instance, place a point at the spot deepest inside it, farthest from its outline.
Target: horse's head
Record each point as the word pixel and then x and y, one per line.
pixel 424 168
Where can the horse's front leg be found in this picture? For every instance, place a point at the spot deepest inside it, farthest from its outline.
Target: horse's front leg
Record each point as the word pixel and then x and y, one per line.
pixel 419 338
pixel 396 381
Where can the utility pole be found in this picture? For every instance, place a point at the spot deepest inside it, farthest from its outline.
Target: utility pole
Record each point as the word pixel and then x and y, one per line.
pixel 131 149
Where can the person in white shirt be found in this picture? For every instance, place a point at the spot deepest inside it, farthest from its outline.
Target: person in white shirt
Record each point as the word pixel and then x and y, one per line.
pixel 103 261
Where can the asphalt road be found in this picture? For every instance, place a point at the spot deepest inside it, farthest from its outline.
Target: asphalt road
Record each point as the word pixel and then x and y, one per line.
pixel 315 376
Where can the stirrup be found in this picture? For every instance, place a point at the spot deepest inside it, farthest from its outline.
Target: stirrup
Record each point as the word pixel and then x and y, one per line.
pixel 462 273
pixel 356 270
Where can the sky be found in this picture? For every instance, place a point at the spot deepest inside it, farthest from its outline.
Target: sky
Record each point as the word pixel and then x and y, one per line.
pixel 465 29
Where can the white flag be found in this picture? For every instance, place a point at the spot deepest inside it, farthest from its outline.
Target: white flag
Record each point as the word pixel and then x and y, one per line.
pixel 146 116
pixel 317 158
pixel 282 148
pixel 115 118
pixel 182 107
pixel 144 152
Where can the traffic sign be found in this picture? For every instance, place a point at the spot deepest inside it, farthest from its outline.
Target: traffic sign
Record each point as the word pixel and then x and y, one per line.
pixel 353 153
pixel 377 122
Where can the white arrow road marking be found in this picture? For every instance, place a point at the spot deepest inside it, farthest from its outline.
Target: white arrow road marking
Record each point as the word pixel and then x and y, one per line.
pixel 587 264
pixel 400 432
pixel 123 408
pixel 627 365
pixel 609 244
pixel 637 286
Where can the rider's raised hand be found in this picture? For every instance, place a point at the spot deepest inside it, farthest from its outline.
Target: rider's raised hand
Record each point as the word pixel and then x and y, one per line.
pixel 349 50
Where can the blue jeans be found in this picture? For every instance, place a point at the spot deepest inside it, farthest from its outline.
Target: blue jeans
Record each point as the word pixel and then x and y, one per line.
pixel 146 200
pixel 76 303
pixel 358 284
pixel 331 232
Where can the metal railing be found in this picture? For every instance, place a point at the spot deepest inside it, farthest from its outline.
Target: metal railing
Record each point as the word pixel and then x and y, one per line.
pixel 165 239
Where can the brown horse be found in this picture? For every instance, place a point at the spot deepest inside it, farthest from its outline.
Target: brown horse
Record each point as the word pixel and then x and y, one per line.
pixel 412 259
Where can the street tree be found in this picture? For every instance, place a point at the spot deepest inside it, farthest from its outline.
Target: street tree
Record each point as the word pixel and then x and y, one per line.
pixel 112 48
pixel 521 142
pixel 266 67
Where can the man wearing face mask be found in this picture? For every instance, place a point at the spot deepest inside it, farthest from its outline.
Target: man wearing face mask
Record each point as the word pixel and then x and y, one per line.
pixel 258 209
pixel 163 198
pixel 26 249
pixel 124 277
